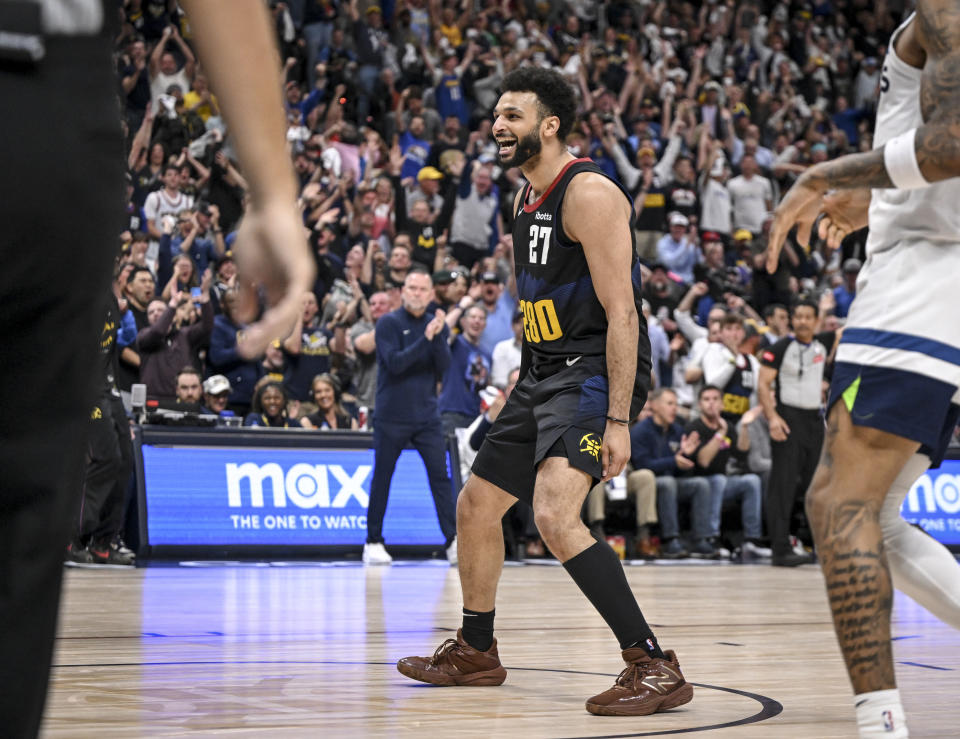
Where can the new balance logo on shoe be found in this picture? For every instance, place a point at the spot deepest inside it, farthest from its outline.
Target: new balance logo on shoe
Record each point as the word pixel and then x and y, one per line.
pixel 663 682
pixel 647 685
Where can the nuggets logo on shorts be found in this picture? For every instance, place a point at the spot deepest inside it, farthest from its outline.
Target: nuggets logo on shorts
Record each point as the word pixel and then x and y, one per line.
pixel 590 444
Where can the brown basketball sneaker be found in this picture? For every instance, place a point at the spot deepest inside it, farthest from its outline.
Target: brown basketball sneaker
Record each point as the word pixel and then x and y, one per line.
pixel 456 663
pixel 645 686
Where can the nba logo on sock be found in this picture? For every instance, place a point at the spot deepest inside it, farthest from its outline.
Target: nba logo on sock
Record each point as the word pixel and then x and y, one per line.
pixel 650 644
pixel 887 720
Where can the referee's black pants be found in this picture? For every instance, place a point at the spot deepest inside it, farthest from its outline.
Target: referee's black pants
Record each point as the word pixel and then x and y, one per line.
pixel 794 462
pixel 61 190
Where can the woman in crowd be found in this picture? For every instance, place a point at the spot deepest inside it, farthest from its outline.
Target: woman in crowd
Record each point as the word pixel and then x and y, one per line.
pixel 330 414
pixel 184 277
pixel 270 407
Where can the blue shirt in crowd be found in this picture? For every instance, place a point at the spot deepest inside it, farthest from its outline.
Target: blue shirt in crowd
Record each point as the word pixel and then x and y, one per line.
pixel 844 300
pixel 653 447
pixel 679 256
pixel 468 373
pixel 408 367
pixel 224 359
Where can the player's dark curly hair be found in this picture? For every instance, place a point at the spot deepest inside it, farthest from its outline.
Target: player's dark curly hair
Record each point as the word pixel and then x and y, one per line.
pixel 554 95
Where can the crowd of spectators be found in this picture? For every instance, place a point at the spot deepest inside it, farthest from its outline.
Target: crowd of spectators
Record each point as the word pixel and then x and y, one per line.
pixel 706 112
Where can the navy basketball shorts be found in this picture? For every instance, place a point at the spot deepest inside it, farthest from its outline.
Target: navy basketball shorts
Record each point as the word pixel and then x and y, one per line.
pixel 556 410
pixel 907 404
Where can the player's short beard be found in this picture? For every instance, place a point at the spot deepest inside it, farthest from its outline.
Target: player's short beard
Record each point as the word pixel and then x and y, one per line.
pixel 527 148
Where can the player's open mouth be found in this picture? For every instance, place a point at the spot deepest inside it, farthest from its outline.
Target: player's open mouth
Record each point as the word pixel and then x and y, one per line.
pixel 507 147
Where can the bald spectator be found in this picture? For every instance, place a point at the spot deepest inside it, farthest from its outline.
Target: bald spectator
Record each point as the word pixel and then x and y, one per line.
pixel 172 339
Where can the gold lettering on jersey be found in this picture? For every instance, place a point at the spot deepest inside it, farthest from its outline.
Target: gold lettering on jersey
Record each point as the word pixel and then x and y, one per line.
pixel 540 321
pixel 736 405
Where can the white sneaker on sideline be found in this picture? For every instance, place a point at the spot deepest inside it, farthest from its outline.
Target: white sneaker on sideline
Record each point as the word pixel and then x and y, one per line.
pixel 376 554
pixel 753 551
pixel 797 546
pixel 452 552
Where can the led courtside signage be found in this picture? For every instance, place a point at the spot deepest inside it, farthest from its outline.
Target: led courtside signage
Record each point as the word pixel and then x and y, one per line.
pixel 934 503
pixel 198 496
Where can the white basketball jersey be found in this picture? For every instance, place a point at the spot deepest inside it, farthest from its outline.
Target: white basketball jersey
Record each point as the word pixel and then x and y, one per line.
pixel 931 213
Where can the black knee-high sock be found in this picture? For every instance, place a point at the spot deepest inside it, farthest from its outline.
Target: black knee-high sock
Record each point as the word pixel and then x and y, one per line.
pixel 478 628
pixel 598 573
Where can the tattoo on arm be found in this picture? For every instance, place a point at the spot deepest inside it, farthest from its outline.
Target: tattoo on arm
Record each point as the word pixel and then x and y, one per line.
pixel 938 140
pixel 853 171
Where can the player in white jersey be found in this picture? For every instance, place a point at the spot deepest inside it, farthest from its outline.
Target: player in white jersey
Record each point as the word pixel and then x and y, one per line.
pixel 893 402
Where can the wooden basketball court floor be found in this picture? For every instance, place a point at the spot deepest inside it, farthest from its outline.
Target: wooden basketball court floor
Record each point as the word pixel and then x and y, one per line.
pixel 308 650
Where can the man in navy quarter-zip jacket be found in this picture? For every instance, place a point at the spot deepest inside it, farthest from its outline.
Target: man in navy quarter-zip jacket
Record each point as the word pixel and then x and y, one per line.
pixel 412 355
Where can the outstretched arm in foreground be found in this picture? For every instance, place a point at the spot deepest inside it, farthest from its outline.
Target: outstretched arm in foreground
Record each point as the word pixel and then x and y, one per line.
pixel 233 38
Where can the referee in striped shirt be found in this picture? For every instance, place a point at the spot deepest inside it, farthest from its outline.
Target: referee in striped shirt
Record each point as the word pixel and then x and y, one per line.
pixel 791 391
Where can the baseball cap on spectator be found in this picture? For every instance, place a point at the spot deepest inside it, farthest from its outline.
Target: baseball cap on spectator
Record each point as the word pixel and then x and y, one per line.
pixel 646 151
pixel 712 85
pixel 429 173
pixel 870 61
pixel 679 219
pixel 740 109
pixel 374 9
pixel 852 265
pixel 819 146
pixel 709 236
pixel 444 277
pixel 742 234
pixel 216 384
pixel 490 277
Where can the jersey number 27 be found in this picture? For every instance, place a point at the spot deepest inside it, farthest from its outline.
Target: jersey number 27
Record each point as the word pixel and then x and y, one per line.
pixel 539 237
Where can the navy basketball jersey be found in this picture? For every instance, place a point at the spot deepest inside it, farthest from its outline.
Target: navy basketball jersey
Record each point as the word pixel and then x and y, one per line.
pixel 562 316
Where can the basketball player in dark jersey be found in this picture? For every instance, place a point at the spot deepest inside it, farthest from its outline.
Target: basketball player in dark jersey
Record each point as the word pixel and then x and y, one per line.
pixel 585 373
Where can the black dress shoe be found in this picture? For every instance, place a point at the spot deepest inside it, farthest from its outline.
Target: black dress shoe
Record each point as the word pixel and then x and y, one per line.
pixel 790 559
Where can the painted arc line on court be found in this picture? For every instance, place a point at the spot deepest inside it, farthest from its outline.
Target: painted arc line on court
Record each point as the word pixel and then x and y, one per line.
pixel 769 707
pixel 928 667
